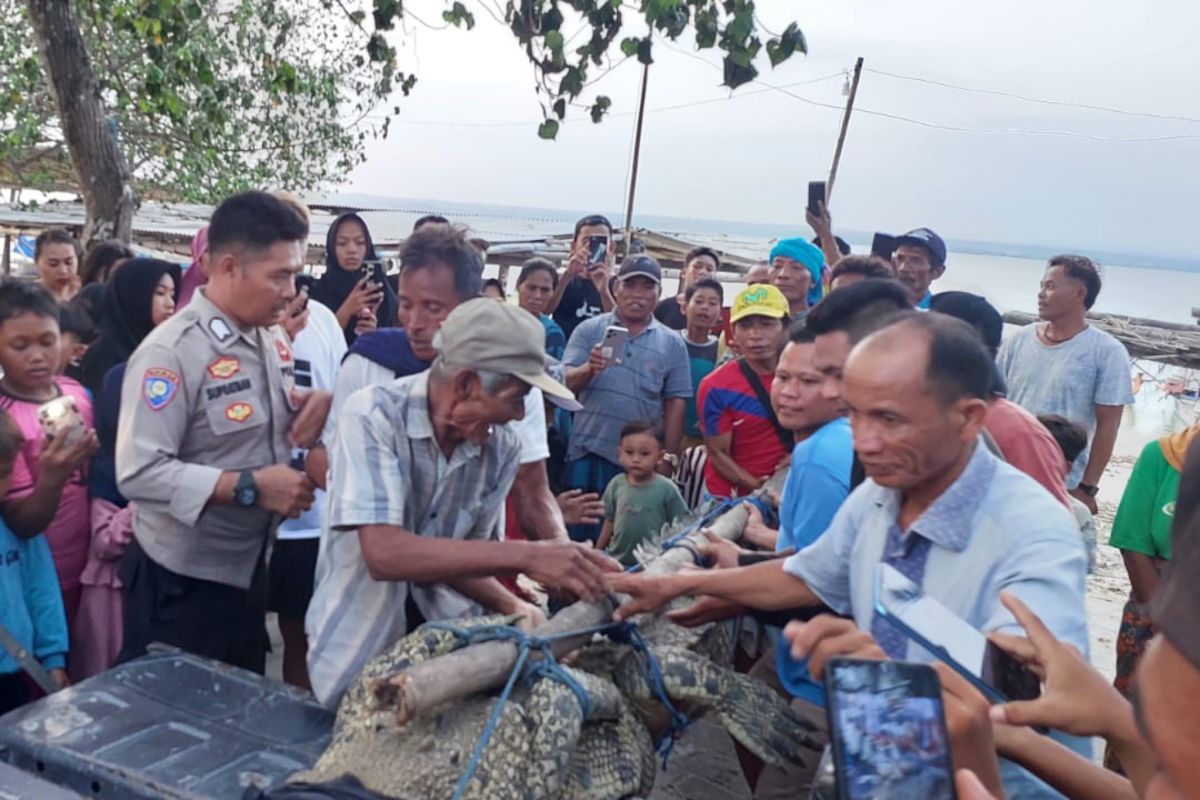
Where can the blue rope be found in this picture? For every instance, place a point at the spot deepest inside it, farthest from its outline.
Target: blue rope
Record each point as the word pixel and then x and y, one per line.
pixel 548 667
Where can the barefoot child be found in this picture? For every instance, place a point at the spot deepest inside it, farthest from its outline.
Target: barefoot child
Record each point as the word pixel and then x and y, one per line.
pixel 49 492
pixel 30 604
pixel 639 502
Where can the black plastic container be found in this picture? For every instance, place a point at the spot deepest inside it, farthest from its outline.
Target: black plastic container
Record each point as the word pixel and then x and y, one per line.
pixel 168 725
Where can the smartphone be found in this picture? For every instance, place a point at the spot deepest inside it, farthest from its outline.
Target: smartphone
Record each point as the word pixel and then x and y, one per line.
pixel 302 294
pixel 61 417
pixel 370 269
pixel 888 730
pixel 883 245
pixel 951 639
pixel 613 345
pixel 816 197
pixel 597 250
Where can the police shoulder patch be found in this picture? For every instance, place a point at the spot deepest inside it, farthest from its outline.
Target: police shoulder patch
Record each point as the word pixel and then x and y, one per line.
pixel 239 412
pixel 159 387
pixel 225 367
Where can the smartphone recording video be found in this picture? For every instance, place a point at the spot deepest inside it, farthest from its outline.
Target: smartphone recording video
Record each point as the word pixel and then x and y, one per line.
pixel 597 250
pixel 888 731
pixel 949 638
pixel 816 197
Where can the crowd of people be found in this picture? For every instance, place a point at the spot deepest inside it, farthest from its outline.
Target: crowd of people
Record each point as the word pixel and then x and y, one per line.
pixel 186 450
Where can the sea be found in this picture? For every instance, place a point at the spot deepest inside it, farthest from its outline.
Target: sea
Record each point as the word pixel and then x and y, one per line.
pixel 1153 287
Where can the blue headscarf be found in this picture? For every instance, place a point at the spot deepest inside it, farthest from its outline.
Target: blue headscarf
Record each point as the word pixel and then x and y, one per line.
pixel 810 256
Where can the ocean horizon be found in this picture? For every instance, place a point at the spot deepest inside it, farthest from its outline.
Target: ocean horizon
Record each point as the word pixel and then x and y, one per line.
pixel 736 236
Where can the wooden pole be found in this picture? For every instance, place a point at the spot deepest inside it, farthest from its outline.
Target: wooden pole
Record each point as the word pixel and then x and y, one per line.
pixel 637 153
pixel 482 667
pixel 837 153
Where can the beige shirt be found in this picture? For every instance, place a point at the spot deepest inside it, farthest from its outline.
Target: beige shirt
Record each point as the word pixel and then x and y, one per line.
pixel 201 397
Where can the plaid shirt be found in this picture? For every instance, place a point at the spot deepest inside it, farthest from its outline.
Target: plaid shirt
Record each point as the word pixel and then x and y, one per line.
pixel 386 468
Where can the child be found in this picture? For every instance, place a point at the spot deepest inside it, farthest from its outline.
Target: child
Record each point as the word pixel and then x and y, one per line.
pixel 48 491
pixel 703 311
pixel 77 331
pixel 30 604
pixel 638 503
pixel 1072 439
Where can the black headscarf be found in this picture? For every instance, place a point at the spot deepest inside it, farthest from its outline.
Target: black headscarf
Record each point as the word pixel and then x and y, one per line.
pixel 336 284
pixel 126 318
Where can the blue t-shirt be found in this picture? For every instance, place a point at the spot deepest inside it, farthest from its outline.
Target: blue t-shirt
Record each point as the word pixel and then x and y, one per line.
pixel 31 607
pixel 818 482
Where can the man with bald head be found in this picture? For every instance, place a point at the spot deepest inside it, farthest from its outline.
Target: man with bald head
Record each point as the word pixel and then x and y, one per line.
pixel 936 505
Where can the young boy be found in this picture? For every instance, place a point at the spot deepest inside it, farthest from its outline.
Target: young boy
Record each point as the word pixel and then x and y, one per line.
pixel 703 311
pixel 1072 439
pixel 638 503
pixel 31 607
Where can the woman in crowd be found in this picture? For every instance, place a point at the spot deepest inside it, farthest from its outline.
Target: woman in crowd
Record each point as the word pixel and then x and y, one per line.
pixel 98 264
pixel 194 276
pixel 140 296
pixel 361 301
pixel 56 257
pixel 535 287
pixel 1142 532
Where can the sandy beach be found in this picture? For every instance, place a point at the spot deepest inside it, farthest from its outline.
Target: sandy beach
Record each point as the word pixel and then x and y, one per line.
pixel 1108 585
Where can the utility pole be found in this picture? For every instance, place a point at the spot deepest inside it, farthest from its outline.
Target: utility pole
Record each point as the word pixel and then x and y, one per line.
pixel 837 153
pixel 637 152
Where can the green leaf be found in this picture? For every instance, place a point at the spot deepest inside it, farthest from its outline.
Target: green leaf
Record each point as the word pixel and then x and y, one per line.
pixel 548 129
pixel 600 108
pixel 554 41
pixel 629 45
pixel 458 15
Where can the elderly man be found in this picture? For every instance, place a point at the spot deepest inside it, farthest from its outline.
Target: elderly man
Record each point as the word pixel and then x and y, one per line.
pixel 649 380
pixel 420 470
pixel 937 506
pixel 796 267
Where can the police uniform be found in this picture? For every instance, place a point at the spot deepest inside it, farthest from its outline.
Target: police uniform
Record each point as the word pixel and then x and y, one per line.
pixel 200 397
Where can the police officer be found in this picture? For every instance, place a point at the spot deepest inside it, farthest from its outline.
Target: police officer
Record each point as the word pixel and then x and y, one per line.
pixel 209 415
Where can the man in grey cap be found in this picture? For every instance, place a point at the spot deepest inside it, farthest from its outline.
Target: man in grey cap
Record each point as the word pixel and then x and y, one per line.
pixel 419 472
pixel 649 379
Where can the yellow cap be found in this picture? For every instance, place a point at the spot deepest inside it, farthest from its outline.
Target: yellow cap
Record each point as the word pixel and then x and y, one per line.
pixel 763 300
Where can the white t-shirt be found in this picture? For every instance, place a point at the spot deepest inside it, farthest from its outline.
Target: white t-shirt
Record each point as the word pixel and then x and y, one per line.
pixel 358 372
pixel 318 351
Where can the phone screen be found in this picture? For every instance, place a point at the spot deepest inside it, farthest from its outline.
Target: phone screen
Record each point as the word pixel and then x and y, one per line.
pixel 597 250
pixel 951 639
pixel 888 730
pixel 816 196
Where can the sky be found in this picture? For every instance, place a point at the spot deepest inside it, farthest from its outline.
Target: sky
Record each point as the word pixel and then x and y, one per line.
pixel 468 131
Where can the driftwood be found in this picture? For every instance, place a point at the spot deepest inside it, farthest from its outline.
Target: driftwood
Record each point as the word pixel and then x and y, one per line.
pixel 1164 342
pixel 483 667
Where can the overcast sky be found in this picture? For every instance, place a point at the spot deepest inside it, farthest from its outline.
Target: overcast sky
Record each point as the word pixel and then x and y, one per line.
pixel 750 157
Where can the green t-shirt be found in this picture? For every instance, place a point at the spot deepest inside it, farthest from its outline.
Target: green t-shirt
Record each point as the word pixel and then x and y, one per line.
pixel 702 358
pixel 639 512
pixel 1143 522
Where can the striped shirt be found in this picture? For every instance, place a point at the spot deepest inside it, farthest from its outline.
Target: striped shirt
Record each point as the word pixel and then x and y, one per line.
pixel 653 368
pixel 386 468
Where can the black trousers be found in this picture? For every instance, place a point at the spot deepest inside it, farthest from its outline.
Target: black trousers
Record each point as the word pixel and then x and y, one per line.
pixel 203 617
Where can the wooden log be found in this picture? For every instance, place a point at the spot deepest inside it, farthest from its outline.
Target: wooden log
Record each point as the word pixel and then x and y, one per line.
pixel 483 667
pixel 1163 342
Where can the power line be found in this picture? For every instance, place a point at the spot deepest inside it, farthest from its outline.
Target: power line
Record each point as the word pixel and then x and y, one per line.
pixel 951 128
pixel 1028 99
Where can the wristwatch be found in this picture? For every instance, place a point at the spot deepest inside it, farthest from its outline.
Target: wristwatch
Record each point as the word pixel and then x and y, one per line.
pixel 245 493
pixel 1090 489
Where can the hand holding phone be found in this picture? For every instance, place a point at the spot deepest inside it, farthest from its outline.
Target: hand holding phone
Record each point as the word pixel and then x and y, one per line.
pixel 597 251
pixel 612 347
pixel 816 197
pixel 951 639
pixel 888 730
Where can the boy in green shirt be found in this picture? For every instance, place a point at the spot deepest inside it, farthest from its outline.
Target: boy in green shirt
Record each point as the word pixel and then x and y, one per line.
pixel 638 503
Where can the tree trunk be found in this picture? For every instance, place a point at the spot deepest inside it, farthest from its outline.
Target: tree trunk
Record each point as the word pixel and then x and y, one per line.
pixel 104 179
